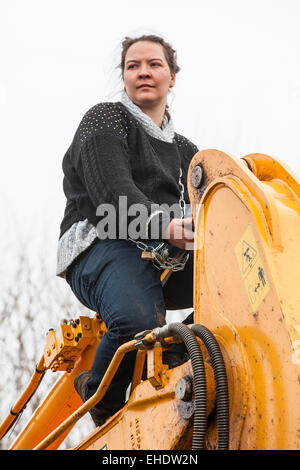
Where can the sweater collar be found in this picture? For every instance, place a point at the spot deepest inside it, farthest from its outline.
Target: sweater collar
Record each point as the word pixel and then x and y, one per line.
pixel 165 132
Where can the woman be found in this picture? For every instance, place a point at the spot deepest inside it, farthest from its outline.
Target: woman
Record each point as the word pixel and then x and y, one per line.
pixel 126 152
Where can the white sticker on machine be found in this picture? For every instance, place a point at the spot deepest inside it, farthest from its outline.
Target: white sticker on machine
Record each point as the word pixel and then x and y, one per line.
pixel 252 269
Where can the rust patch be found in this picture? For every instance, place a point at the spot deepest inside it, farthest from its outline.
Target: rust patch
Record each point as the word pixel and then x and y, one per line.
pixel 159 315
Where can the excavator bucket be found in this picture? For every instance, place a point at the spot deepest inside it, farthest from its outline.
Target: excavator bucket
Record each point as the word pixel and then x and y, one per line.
pixel 246 290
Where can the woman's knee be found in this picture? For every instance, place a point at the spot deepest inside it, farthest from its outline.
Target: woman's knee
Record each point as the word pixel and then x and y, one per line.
pixel 130 320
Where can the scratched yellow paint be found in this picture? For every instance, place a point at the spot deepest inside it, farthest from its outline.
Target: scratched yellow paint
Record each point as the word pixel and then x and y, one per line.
pixel 252 269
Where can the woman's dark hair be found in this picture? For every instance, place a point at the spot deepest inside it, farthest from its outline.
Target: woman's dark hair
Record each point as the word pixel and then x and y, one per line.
pixel 170 53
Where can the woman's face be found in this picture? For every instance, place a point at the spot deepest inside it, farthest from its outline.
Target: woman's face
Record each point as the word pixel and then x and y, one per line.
pixel 147 76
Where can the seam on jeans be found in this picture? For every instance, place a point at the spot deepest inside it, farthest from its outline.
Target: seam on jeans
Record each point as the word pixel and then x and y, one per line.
pixel 90 286
pixel 78 294
pixel 87 286
pixel 107 313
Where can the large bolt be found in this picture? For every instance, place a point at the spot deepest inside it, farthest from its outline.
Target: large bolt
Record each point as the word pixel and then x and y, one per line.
pixel 60 359
pixel 87 324
pixel 197 176
pixel 184 388
pixel 77 338
pixel 68 335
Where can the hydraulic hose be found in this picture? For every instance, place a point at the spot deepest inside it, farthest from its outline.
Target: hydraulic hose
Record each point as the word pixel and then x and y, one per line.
pixel 200 420
pixel 26 396
pixel 222 397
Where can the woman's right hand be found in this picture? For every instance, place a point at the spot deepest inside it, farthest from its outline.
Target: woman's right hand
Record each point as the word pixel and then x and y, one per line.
pixel 180 233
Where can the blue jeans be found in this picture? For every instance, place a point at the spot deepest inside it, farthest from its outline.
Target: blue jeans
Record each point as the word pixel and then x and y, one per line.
pixel 111 279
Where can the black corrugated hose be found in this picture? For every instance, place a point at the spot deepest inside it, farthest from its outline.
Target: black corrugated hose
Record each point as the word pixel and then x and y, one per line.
pixel 222 397
pixel 193 348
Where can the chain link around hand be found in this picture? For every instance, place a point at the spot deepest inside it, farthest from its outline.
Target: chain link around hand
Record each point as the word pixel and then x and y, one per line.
pixel 160 253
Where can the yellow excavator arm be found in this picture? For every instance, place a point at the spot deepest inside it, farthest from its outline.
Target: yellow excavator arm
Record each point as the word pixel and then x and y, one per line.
pixel 240 389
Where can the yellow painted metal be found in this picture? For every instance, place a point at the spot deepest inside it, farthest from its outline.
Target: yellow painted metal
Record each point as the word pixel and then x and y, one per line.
pixel 153 418
pixel 62 400
pixel 155 367
pixel 138 369
pixel 24 398
pixel 76 415
pixel 143 398
pixel 153 397
pixel 57 406
pixel 61 352
pixel 247 273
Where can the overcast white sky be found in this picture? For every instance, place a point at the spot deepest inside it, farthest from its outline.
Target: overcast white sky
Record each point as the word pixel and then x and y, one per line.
pixel 238 90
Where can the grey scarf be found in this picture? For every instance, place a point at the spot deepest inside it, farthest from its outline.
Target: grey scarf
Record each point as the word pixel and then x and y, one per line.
pixel 165 132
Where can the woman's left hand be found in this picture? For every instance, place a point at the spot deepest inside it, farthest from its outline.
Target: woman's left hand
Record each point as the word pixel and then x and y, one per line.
pixel 180 233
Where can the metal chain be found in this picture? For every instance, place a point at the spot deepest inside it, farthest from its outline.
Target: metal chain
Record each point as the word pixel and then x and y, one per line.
pixel 181 199
pixel 160 256
pixel 160 253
